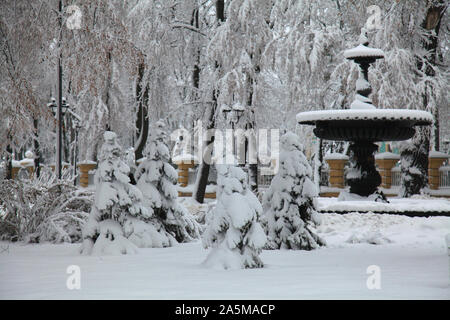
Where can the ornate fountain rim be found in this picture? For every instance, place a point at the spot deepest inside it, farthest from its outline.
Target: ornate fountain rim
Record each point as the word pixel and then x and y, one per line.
pixel 418 117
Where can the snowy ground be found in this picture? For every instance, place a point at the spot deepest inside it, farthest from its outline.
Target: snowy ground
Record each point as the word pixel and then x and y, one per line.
pixel 412 205
pixel 411 254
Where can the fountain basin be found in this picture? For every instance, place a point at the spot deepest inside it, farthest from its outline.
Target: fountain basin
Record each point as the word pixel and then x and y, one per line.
pixel 365 125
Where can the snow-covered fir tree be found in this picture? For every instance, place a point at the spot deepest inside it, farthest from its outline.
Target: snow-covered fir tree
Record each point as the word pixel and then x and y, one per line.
pixel 290 216
pixel 156 178
pixel 234 233
pixel 117 203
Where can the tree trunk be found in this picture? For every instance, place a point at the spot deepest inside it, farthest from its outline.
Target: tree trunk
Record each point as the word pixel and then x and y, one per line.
pixel 105 96
pixel 142 121
pixel 196 71
pixel 203 171
pixel 37 152
pixel 65 140
pixel 252 167
pixel 432 23
pixel 8 173
pixel 220 10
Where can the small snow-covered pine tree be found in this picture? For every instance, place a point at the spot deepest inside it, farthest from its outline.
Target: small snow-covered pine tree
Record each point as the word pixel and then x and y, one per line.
pixel 117 202
pixel 233 230
pixel 288 203
pixel 156 178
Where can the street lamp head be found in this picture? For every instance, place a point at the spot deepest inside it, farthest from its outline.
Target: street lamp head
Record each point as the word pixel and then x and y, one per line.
pixel 64 106
pixel 226 110
pixel 238 110
pixel 238 107
pixel 52 105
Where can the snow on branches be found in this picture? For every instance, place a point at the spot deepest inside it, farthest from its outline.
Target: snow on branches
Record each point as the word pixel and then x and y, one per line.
pixel 288 204
pixel 43 209
pixel 233 230
pixel 117 203
pixel 156 178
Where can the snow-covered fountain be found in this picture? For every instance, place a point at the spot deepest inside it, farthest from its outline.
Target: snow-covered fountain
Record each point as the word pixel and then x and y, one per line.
pixel 363 125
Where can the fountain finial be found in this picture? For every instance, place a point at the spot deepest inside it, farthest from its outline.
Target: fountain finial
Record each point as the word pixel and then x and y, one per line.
pixel 364 56
pixel 363 37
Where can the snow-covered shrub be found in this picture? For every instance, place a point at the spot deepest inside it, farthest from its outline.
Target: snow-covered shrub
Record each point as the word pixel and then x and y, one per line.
pixel 233 229
pixel 157 179
pixel 43 209
pixel 290 216
pixel 117 205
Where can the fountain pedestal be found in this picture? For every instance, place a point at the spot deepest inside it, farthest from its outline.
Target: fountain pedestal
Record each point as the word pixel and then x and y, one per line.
pixel 363 177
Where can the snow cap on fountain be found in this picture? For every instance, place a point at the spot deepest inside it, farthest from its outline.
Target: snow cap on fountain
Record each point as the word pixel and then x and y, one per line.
pixel 363 37
pixel 364 56
pixel 363 50
pixel 358 104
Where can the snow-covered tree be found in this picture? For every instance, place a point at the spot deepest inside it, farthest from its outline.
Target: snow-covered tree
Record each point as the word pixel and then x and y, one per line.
pixel 234 233
pixel 288 204
pixel 414 175
pixel 156 178
pixel 237 46
pixel 117 204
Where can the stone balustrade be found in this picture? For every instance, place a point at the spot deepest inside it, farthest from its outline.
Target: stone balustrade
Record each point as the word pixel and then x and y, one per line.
pixel 385 162
pixel 336 163
pixel 435 161
pixel 85 167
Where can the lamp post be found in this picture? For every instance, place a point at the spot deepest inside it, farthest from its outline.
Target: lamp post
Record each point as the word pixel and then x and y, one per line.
pixel 236 111
pixel 225 110
pixel 76 126
pixel 59 110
